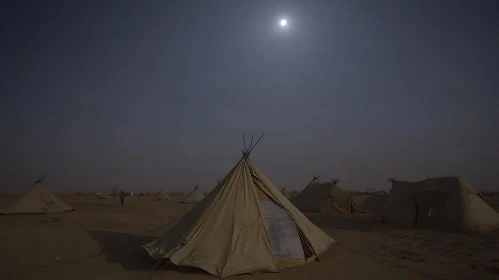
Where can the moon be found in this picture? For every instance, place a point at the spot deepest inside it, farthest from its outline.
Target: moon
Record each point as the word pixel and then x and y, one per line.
pixel 283 22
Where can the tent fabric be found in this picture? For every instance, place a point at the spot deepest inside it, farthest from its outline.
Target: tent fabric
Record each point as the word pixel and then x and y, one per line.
pixel 359 198
pixel 195 196
pixel 163 196
pixel 325 198
pixel 231 231
pixel 376 202
pixel 285 193
pixel 444 202
pixel 38 200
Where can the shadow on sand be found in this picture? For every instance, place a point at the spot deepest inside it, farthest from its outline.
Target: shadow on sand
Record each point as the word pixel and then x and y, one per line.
pixel 125 249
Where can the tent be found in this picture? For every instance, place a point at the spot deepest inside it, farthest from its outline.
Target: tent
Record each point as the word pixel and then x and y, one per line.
pixel 376 202
pixel 325 198
pixel 162 196
pixel 102 196
pixel 285 193
pixel 445 202
pixel 245 224
pixel 38 200
pixel 195 196
pixel 358 198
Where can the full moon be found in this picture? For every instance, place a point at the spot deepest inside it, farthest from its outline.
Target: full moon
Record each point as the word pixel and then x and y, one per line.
pixel 283 22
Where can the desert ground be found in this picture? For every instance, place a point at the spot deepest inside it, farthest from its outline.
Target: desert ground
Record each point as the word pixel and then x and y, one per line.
pixel 101 240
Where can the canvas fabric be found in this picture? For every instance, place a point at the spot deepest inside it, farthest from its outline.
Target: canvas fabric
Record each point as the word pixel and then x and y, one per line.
pixel 38 200
pixel 195 196
pixel 325 198
pixel 226 233
pixel 445 202
pixel 376 202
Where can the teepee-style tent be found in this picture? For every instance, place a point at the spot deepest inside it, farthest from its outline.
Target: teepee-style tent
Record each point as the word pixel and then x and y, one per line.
pixel 195 196
pixel 245 224
pixel 325 198
pixel 38 200
pixel 444 202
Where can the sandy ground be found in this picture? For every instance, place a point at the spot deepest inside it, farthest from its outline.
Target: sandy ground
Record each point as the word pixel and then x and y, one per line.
pixel 101 240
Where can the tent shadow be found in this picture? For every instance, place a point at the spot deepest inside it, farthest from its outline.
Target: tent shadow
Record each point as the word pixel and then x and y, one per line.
pixel 125 249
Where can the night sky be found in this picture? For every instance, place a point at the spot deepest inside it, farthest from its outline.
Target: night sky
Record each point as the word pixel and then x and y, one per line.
pixel 151 95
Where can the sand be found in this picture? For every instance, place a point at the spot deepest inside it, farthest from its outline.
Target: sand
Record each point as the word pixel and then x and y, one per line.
pixel 101 240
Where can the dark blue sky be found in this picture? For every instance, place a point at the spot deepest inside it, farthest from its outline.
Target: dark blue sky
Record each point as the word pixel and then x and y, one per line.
pixel 153 95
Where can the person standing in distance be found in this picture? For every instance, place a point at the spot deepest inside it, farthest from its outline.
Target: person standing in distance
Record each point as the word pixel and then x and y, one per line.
pixel 122 197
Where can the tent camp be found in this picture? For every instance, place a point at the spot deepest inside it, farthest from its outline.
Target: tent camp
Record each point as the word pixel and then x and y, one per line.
pixel 245 224
pixel 38 200
pixel 445 202
pixel 325 198
pixel 162 196
pixel 195 196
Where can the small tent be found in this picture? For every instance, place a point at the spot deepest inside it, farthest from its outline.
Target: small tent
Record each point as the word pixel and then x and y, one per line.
pixel 102 196
pixel 195 196
pixel 245 224
pixel 285 193
pixel 162 196
pixel 445 202
pixel 38 200
pixel 325 198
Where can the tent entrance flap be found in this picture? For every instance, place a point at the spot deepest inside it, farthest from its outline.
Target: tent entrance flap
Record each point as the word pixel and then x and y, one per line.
pixel 284 235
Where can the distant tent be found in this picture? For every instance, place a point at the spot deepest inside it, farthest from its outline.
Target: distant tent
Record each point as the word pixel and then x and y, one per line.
pixel 162 196
pixel 285 193
pixel 445 202
pixel 102 196
pixel 245 224
pixel 38 200
pixel 376 202
pixel 359 198
pixel 325 198
pixel 195 196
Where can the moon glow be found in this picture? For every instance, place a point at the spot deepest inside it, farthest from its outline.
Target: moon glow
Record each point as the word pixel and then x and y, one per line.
pixel 283 22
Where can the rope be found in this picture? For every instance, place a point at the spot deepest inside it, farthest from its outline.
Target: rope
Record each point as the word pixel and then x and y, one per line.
pixel 151 271
pixel 119 251
pixel 167 263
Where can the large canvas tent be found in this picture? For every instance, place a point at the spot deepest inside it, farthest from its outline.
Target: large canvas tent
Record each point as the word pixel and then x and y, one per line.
pixel 38 200
pixel 325 198
pixel 445 202
pixel 245 224
pixel 195 196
